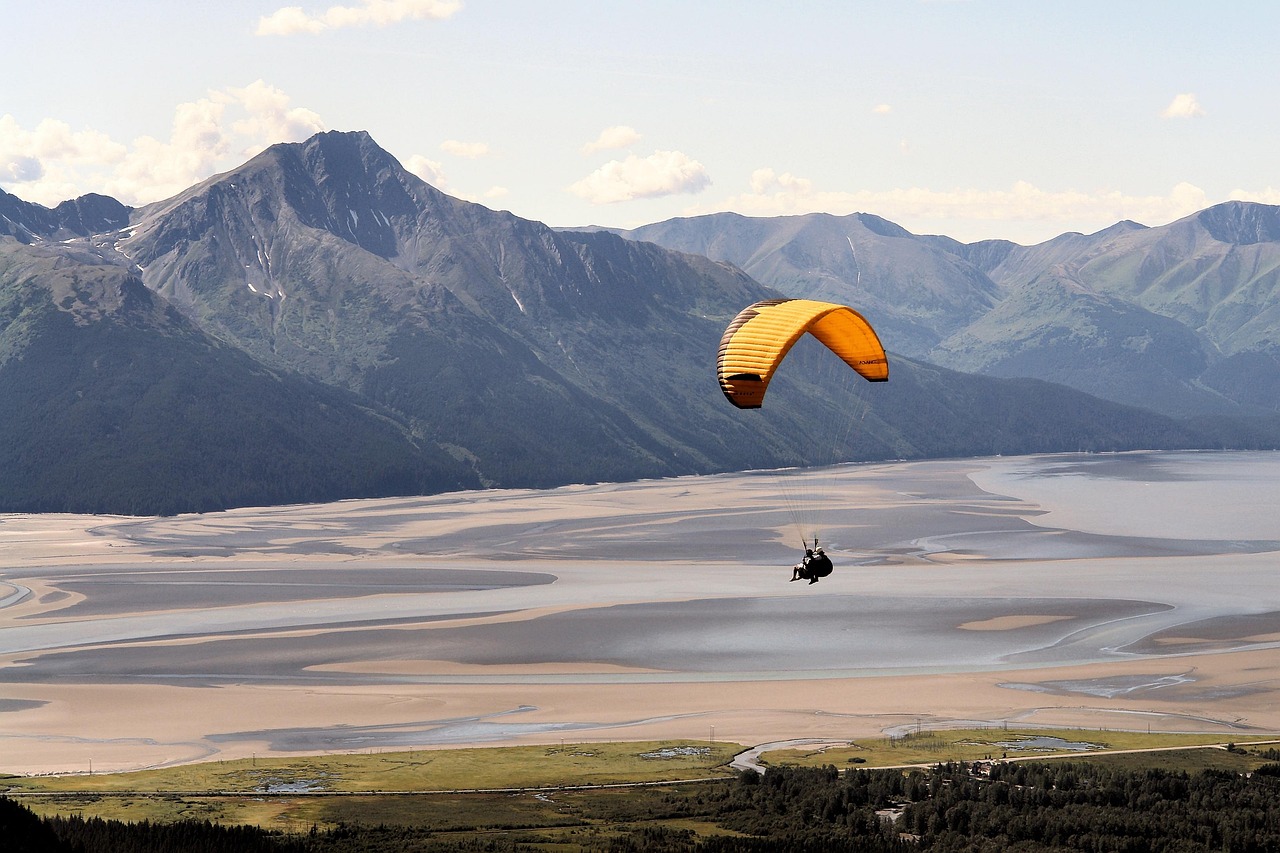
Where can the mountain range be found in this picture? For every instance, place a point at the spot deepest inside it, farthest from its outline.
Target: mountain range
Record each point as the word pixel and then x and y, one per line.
pixel 1181 319
pixel 319 323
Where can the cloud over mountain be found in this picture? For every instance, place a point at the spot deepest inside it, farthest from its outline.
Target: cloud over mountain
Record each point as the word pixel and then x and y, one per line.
pixel 784 194
pixel 53 162
pixel 661 173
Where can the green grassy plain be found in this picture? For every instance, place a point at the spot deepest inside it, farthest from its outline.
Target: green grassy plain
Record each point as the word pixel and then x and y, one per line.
pixel 412 771
pixel 440 790
pixel 932 747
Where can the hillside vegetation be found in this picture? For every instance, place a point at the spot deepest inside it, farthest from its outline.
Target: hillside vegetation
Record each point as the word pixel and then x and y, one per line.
pixel 1030 806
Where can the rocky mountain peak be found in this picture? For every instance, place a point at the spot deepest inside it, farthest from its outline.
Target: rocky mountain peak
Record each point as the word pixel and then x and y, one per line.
pixel 881 226
pixel 89 214
pixel 1241 223
pixel 344 183
pixel 92 214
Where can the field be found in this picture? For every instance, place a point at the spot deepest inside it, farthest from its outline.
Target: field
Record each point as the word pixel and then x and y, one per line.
pixel 934 746
pixel 295 794
pixel 416 770
pixel 551 789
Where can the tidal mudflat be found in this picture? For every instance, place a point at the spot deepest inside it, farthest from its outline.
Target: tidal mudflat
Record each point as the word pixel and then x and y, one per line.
pixel 1133 590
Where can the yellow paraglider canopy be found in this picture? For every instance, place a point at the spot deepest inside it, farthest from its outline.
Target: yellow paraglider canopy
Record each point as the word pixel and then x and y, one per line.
pixel 760 337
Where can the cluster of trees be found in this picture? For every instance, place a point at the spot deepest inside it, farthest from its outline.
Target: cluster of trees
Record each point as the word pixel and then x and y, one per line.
pixel 1053 806
pixel 1081 806
pixel 22 831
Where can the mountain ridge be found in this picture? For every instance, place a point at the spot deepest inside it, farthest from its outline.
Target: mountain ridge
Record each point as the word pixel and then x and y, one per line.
pixel 1215 273
pixel 484 349
pixel 79 217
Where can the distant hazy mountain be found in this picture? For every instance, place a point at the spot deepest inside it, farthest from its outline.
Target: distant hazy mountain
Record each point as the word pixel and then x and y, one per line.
pixel 1216 273
pixel 915 292
pixel 320 323
pixel 1182 319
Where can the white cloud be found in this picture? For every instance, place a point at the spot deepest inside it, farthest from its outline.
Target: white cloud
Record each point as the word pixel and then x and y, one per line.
pixel 291 20
pixel 1270 195
pixel 19 168
pixel 288 21
pixel 429 170
pixel 269 115
pixel 1183 106
pixel 612 138
pixel 469 150
pixel 766 181
pixel 1043 211
pixel 432 171
pixel 52 163
pixel 197 143
pixel 24 153
pixel 662 173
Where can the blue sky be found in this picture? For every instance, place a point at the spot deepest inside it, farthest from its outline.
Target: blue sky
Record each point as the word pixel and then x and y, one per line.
pixel 972 118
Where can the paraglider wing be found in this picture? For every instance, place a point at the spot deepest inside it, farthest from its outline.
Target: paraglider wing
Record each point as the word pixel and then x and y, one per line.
pixel 760 337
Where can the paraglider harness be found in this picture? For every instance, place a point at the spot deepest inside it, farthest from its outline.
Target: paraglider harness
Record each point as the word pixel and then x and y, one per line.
pixel 816 564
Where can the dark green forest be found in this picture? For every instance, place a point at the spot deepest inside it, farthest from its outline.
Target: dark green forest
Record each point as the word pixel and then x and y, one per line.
pixel 980 807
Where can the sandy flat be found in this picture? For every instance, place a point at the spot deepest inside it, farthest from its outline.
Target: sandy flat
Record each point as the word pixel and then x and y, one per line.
pixel 1009 623
pixel 976 591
